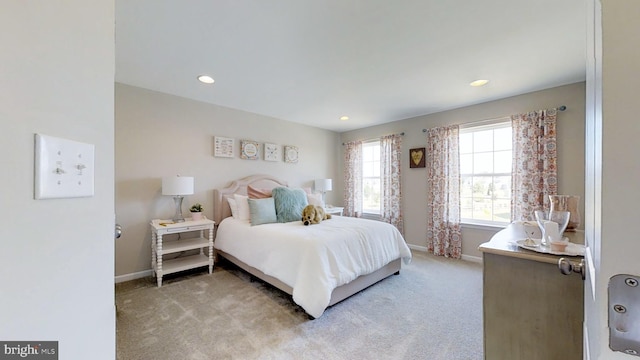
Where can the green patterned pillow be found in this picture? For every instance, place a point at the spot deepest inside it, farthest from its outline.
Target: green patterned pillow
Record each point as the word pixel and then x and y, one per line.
pixel 289 203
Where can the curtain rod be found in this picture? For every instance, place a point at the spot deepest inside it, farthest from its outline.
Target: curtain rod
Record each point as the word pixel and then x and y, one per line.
pixel 401 134
pixel 559 108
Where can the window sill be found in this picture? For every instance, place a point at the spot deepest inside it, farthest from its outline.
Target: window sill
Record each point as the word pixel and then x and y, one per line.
pixel 371 216
pixel 480 226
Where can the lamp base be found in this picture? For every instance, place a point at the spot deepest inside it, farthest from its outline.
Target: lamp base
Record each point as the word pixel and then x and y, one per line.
pixel 178 215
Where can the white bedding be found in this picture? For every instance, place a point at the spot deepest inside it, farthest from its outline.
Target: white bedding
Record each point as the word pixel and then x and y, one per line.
pixel 313 259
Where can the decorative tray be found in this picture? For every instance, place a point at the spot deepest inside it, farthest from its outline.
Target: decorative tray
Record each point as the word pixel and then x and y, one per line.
pixel 571 249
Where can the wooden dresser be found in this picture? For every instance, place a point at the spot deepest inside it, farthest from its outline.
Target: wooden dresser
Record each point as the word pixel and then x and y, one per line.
pixel 530 310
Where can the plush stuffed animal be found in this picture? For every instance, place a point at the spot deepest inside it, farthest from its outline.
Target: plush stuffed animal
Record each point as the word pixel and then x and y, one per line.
pixel 314 215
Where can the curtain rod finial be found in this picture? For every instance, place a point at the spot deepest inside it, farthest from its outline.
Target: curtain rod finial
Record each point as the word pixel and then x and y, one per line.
pixel 562 108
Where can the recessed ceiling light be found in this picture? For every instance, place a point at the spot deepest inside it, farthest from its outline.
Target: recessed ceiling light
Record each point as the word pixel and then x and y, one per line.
pixel 479 83
pixel 344 118
pixel 206 79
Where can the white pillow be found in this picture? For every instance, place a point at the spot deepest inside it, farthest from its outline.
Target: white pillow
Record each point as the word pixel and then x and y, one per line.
pixel 233 206
pixel 244 212
pixel 315 199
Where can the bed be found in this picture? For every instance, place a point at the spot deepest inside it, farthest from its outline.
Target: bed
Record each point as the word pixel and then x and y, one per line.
pixel 318 265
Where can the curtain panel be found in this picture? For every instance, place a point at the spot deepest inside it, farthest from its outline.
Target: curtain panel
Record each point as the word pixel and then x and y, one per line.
pixel 534 167
pixel 390 174
pixel 352 201
pixel 444 237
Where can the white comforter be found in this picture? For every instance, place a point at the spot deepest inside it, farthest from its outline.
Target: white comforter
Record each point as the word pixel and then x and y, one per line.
pixel 313 259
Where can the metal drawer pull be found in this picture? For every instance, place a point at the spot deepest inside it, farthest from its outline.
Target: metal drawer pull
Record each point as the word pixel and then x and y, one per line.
pixel 567 267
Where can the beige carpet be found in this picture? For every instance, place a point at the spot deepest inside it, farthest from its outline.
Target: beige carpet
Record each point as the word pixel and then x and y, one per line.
pixel 432 310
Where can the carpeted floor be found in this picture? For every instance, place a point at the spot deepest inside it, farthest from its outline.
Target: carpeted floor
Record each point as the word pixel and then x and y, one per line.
pixel 432 310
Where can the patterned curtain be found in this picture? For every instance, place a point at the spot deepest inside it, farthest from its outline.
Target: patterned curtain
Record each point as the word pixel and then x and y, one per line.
pixel 353 179
pixel 390 161
pixel 443 222
pixel 535 173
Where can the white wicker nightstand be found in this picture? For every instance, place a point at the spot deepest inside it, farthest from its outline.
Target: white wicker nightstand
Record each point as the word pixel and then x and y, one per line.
pixel 160 248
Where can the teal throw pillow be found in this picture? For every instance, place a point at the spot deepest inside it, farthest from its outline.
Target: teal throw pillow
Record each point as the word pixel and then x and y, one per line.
pixel 263 211
pixel 289 203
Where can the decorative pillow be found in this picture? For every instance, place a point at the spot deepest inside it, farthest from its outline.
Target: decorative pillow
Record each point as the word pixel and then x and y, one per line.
pixel 258 193
pixel 289 203
pixel 233 206
pixel 315 199
pixel 243 207
pixel 263 211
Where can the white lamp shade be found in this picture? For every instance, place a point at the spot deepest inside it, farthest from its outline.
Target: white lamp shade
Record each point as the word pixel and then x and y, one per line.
pixel 177 185
pixel 323 185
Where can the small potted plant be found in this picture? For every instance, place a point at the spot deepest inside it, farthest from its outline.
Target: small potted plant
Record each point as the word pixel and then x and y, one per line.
pixel 196 211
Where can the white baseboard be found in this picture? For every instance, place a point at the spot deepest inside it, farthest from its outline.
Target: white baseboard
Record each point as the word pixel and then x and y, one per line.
pixel 133 276
pixel 145 273
pixel 418 248
pixel 475 259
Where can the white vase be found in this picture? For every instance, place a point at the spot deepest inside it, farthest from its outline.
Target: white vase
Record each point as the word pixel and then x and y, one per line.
pixel 196 216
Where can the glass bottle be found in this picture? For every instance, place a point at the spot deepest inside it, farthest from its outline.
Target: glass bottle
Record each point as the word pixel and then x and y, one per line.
pixel 568 203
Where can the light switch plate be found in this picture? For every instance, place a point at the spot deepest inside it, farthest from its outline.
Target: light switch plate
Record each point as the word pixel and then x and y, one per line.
pixel 64 168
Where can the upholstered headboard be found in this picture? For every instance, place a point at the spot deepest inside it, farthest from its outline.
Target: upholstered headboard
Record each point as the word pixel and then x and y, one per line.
pixel 221 209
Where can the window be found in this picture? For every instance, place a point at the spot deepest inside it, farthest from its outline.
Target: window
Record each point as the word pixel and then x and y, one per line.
pixel 485 174
pixel 371 184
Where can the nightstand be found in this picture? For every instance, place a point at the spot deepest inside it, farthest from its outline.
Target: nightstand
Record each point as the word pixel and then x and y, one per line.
pixel 334 210
pixel 159 228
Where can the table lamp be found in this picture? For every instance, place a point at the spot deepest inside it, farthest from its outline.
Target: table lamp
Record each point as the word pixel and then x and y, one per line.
pixel 177 186
pixel 323 185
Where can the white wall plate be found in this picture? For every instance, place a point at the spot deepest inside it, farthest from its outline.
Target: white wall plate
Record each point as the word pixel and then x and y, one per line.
pixel 64 168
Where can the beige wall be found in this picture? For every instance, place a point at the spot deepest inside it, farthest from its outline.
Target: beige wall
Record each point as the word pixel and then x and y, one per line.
pixel 570 152
pixel 56 262
pixel 161 135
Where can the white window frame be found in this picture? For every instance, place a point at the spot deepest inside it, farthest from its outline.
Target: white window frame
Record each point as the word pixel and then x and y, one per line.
pixel 367 213
pixel 477 127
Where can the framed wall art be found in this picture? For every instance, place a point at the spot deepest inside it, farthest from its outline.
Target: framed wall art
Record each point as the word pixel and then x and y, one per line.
pixel 271 152
pixel 249 150
pixel 222 147
pixel 417 158
pixel 291 154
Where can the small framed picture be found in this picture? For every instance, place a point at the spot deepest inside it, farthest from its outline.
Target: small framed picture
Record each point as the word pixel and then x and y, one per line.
pixel 249 150
pixel 417 158
pixel 291 154
pixel 222 147
pixel 271 152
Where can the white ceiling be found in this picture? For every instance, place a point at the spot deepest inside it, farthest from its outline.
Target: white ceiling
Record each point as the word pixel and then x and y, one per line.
pixel 377 61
